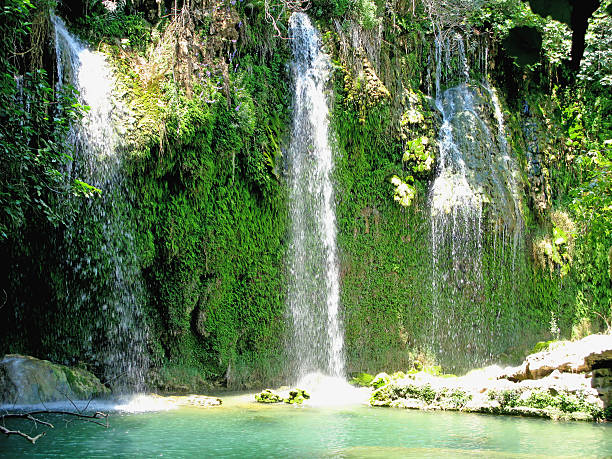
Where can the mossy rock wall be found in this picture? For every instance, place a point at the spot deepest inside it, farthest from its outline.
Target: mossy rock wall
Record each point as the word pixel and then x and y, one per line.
pixel 203 162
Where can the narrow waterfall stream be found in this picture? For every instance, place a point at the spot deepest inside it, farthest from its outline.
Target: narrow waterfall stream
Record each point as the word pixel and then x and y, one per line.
pixel 316 342
pixel 474 198
pixel 456 208
pixel 102 248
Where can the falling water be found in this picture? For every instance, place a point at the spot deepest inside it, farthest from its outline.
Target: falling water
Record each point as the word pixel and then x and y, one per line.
pixel 511 171
pixel 474 184
pixel 316 343
pixel 102 247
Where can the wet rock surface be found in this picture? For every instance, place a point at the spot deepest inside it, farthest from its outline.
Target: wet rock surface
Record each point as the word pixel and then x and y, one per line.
pixel 26 380
pixel 488 168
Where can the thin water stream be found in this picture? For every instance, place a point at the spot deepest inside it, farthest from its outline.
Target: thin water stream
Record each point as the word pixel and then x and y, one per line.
pixel 474 202
pixel 101 248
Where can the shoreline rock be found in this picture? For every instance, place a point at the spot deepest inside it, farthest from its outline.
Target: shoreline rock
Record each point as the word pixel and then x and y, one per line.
pixel 26 380
pixel 194 400
pixel 573 381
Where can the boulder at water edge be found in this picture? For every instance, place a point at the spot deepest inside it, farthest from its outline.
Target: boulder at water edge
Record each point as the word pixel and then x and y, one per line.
pixel 587 354
pixel 26 380
pixel 268 396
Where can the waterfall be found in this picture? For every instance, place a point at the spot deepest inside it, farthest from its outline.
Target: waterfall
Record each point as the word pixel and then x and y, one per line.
pixel 316 341
pixel 475 190
pixel 511 176
pixel 101 247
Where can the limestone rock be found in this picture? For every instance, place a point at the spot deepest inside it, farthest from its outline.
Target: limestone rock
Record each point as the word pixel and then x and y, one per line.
pixel 602 383
pixel 200 401
pixel 575 357
pixel 572 381
pixel 26 380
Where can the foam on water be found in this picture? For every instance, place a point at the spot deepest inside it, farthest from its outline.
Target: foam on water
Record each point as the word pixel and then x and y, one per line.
pixel 136 403
pixel 332 391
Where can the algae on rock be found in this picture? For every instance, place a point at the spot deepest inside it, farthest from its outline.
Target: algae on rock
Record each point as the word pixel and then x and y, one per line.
pixel 26 380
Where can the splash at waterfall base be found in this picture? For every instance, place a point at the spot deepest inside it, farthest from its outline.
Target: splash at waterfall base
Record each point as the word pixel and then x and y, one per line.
pixel 212 237
pixel 568 381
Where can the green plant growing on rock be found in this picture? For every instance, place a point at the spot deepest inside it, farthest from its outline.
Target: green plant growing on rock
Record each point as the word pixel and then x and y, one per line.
pixel 556 252
pixel 367 13
pixel 404 193
pixel 297 397
pixel 380 380
pixel 383 396
pixel 418 157
pixel 506 398
pixel 425 393
pixel 268 396
pixel 365 90
pixel 459 398
pixel 362 379
pixel 543 346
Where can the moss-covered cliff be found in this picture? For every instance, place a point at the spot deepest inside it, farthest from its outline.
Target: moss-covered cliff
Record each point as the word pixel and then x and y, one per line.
pixel 203 108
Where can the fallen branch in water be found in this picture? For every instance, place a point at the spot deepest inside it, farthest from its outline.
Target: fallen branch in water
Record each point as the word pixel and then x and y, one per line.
pixel 33 416
pixel 32 440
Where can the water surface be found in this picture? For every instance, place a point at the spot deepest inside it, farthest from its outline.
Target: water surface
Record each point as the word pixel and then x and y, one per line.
pixel 244 429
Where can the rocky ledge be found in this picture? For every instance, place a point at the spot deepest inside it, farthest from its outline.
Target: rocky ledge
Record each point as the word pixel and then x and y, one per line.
pixel 285 395
pixel 198 401
pixel 571 380
pixel 27 380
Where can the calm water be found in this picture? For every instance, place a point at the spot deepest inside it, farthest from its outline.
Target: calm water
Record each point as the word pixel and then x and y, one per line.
pixel 250 430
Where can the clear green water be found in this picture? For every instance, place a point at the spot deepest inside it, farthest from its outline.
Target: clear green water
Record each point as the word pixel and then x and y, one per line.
pixel 250 430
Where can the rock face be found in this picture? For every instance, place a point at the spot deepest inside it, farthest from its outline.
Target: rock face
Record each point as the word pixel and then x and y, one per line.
pixel 487 170
pixel 571 381
pixel 591 352
pixel 26 380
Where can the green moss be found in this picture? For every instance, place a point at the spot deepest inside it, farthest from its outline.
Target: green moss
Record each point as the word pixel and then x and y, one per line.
pixel 380 380
pixel 542 346
pixel 297 397
pixel 207 205
pixel 361 379
pixel 268 396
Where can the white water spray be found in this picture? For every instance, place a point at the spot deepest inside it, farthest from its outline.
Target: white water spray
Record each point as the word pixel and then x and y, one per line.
pixel 456 209
pixel 475 191
pixel 111 261
pixel 316 342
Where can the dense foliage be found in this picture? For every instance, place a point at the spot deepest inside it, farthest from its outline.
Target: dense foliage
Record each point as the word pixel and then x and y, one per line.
pixel 34 124
pixel 205 93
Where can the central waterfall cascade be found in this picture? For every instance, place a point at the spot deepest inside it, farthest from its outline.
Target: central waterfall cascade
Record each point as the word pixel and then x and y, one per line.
pixel 316 339
pixel 473 197
pixel 119 323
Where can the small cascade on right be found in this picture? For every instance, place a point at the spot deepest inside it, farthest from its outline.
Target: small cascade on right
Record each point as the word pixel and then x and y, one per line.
pixel 475 213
